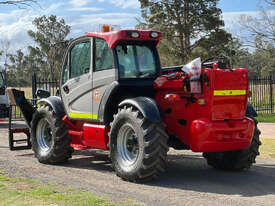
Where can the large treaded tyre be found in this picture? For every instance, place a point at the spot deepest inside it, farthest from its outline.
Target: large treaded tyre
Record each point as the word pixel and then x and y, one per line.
pixel 138 146
pixel 239 159
pixel 49 137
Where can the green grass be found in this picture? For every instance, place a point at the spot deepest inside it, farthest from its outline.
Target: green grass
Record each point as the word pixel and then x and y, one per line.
pixel 267 149
pixel 266 118
pixel 15 191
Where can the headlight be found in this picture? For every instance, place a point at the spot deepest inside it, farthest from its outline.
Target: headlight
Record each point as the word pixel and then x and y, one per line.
pixel 133 34
pixel 154 34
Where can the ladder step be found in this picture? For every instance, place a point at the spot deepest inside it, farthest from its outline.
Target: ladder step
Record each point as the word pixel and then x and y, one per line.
pixel 21 148
pixel 20 141
pixel 21 130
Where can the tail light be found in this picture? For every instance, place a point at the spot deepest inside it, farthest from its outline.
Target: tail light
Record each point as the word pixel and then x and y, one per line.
pixel 172 97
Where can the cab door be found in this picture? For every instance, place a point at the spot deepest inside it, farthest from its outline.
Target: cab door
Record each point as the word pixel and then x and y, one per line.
pixel 104 72
pixel 76 81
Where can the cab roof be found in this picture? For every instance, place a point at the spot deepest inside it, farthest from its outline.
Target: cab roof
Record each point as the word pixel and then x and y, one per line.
pixel 113 37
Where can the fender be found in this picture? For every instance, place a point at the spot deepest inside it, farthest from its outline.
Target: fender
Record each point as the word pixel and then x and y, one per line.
pixel 56 103
pixel 250 110
pixel 146 106
pixel 105 100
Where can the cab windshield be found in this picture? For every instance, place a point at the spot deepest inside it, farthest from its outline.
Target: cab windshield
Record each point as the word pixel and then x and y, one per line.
pixel 136 60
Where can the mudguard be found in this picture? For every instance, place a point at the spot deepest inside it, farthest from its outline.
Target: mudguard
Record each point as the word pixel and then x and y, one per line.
pixel 146 106
pixel 250 110
pixel 110 90
pixel 56 103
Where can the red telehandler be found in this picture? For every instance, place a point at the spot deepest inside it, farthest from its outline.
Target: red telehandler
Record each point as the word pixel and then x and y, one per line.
pixel 115 96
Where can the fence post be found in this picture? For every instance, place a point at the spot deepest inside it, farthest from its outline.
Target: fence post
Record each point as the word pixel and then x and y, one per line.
pixel 271 92
pixel 34 88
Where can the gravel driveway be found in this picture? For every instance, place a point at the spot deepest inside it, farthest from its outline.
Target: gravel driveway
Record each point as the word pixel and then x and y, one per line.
pixel 187 181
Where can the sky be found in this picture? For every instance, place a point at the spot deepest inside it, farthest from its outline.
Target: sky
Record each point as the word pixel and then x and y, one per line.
pixel 86 15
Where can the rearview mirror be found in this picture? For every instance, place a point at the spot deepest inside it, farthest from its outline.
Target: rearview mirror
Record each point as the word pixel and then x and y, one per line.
pixel 41 93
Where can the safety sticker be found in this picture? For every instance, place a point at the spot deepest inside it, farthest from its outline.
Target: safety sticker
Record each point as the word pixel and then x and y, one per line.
pixel 229 92
pixel 97 95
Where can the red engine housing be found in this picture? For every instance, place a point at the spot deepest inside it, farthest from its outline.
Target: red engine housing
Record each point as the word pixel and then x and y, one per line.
pixel 212 120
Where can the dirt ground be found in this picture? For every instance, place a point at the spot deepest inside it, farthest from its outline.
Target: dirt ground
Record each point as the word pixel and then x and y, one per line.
pixel 267 130
pixel 187 181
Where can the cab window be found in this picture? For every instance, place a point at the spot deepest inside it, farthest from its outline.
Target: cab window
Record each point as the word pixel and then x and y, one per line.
pixel 136 60
pixel 80 59
pixel 103 55
pixel 65 73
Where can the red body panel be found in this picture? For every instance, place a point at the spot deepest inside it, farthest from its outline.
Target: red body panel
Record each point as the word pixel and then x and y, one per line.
pixel 216 136
pixel 96 136
pixel 113 37
pixel 229 107
pixel 87 135
pixel 198 123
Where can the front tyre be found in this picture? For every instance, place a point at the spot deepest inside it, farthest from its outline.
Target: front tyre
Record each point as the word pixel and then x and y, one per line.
pixel 138 146
pixel 239 159
pixel 49 136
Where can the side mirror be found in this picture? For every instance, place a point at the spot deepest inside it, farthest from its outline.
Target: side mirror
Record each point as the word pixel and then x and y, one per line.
pixel 41 93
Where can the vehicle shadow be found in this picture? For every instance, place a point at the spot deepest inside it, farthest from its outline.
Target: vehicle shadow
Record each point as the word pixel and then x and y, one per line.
pixel 91 160
pixel 191 172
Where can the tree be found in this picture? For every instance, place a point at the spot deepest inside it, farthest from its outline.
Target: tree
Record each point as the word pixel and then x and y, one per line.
pixel 182 22
pixel 270 2
pixel 50 37
pixel 6 46
pixel 17 73
pixel 19 3
pixel 262 27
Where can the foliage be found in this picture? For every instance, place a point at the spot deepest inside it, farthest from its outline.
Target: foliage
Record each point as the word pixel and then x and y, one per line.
pixel 50 38
pixel 185 25
pixel 271 2
pixel 17 72
pixel 5 52
pixel 260 35
pixel 261 62
pixel 261 27
pixel 266 118
pixel 45 58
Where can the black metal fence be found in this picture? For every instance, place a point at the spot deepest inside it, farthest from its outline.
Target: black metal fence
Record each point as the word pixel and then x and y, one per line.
pixel 263 94
pixel 51 85
pixel 30 93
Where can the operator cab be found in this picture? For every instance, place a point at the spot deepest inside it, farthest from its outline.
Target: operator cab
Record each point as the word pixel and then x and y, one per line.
pixel 99 63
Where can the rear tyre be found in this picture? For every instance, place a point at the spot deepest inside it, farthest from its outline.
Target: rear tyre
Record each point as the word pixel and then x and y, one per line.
pixel 239 159
pixel 49 136
pixel 138 146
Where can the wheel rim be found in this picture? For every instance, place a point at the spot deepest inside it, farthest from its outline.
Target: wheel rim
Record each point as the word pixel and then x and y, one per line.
pixel 127 145
pixel 44 135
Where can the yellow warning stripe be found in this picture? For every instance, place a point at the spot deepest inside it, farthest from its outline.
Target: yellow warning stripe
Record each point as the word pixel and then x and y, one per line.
pixel 229 92
pixel 83 115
